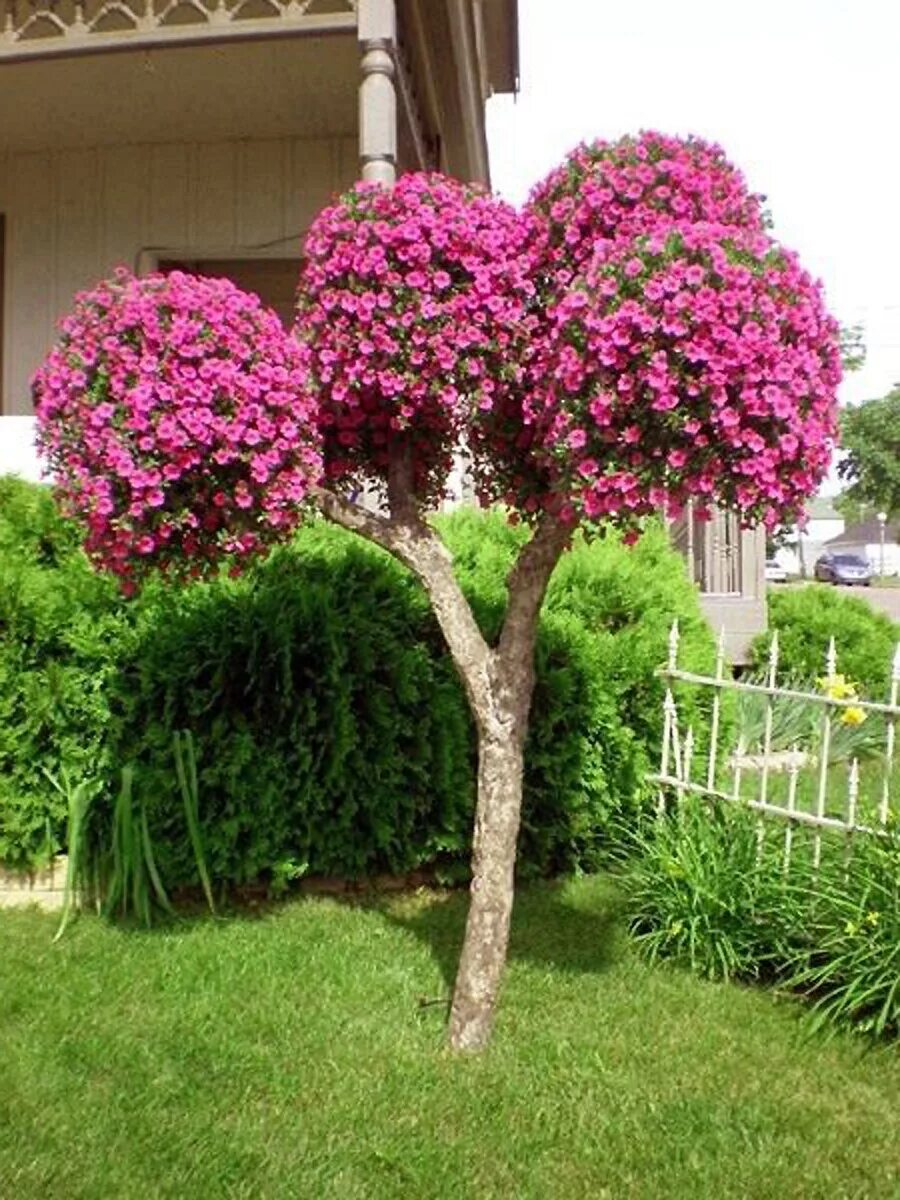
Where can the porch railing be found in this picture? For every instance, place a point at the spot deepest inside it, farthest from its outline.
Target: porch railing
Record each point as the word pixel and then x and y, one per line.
pixel 712 549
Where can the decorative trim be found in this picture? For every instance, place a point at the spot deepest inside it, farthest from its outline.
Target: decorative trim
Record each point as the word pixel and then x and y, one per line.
pixel 32 29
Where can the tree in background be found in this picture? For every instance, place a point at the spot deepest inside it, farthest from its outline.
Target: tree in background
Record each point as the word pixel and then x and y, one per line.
pixel 632 338
pixel 870 435
pixel 853 347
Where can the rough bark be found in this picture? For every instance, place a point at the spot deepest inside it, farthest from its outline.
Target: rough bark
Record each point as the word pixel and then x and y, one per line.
pixel 499 684
pixel 502 730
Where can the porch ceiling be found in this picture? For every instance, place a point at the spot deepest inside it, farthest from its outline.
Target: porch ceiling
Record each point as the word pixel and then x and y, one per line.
pixel 285 87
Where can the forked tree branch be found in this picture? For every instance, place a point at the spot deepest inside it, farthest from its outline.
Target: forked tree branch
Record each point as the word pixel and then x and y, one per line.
pixel 527 585
pixel 417 546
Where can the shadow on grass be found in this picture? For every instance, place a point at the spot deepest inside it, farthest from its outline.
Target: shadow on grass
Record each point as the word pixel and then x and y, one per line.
pixel 547 930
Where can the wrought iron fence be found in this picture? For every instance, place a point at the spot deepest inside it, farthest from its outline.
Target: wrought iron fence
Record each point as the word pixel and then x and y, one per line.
pixel 798 784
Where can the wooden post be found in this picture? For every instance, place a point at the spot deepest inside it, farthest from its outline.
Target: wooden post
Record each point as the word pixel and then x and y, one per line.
pixel 377 93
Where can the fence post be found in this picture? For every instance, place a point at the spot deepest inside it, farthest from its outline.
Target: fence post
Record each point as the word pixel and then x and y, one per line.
pixel 771 677
pixel 791 807
pixel 891 724
pixel 852 799
pixel 717 704
pixel 825 752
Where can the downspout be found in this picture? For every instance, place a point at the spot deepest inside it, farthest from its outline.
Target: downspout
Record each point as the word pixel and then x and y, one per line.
pixel 465 54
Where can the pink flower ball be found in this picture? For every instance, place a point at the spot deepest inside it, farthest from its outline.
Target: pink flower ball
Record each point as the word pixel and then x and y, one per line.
pixel 173 415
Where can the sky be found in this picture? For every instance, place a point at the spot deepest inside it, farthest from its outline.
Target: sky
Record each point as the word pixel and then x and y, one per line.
pixel 802 95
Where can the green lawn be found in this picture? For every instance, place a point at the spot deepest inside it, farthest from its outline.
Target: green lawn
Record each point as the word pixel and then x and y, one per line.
pixel 288 1055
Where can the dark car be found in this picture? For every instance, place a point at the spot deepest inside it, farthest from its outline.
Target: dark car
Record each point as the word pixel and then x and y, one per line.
pixel 844 568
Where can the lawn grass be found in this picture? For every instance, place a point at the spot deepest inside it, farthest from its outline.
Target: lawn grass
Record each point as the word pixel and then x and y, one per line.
pixel 288 1055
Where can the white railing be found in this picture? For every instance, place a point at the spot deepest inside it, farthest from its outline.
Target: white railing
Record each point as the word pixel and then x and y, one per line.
pixel 740 776
pixel 39 28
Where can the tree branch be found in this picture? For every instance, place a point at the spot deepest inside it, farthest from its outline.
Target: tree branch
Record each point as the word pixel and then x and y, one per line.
pixel 354 517
pixel 418 547
pixel 526 586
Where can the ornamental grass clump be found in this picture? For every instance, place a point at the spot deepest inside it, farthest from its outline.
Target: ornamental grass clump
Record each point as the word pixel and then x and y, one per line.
pixel 848 964
pixel 705 892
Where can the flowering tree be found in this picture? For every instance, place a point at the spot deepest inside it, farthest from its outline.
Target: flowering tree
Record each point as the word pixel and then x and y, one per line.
pixel 633 337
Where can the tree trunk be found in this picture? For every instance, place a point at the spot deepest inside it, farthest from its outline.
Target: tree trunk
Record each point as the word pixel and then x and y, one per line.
pixel 501 765
pixel 499 805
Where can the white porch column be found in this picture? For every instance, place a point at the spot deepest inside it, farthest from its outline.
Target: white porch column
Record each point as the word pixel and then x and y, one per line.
pixel 377 95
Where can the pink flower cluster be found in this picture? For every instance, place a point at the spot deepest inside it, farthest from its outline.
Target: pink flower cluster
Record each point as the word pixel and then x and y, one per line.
pixel 675 351
pixel 696 362
pixel 411 310
pixel 172 414
pixel 616 191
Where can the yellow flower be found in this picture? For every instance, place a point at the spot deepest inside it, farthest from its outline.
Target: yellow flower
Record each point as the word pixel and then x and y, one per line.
pixel 872 918
pixel 853 716
pixel 850 928
pixel 837 687
pixel 675 928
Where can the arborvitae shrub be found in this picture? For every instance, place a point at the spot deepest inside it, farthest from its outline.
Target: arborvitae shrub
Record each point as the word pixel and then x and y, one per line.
pixel 806 618
pixel 332 734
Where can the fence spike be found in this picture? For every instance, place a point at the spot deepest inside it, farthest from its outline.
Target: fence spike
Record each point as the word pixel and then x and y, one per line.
pixel 720 654
pixel 773 658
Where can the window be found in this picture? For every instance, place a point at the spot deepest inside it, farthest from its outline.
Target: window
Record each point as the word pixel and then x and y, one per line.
pixel 274 280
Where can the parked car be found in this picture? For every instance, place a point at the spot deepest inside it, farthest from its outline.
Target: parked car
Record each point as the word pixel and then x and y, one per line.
pixel 848 569
pixel 774 572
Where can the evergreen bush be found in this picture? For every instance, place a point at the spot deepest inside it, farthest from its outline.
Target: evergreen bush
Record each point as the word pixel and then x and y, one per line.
pixel 331 731
pixel 806 618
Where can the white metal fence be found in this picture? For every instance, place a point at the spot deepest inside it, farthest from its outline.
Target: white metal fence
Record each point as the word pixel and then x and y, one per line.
pixel 803 785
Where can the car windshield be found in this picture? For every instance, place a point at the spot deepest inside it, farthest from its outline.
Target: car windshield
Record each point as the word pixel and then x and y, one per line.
pixel 850 560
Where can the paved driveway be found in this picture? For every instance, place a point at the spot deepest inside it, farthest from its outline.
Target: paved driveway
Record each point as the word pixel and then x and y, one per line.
pixel 886 600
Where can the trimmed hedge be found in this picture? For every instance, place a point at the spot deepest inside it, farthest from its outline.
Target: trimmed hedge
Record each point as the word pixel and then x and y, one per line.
pixel 331 731
pixel 806 617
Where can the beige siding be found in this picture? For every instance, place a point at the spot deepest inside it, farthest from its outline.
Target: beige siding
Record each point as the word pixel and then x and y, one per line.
pixel 73 215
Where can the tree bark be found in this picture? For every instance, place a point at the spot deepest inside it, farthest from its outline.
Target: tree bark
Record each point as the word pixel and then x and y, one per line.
pixel 497 820
pixel 502 730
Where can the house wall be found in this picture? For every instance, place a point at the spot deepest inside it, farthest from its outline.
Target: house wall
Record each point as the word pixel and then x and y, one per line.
pixel 72 215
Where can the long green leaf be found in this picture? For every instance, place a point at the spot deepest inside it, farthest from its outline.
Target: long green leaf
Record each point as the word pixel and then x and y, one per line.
pixel 186 770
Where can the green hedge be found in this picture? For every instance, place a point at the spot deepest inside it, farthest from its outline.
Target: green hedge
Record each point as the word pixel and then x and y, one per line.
pixel 331 731
pixel 807 617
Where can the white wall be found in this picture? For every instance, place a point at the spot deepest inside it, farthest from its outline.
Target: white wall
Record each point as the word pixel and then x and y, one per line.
pixel 73 215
